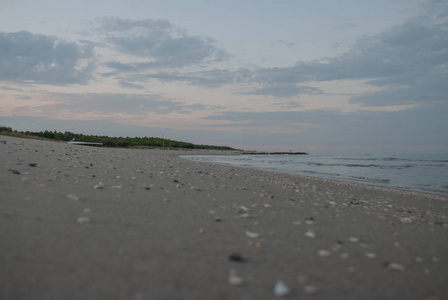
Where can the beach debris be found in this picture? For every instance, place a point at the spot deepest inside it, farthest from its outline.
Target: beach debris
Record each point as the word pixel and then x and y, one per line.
pixel 14 171
pixel 310 221
pixel 281 289
pixel 82 220
pixel 217 219
pixel 234 279
pixel 237 257
pixel 252 235
pixel 406 220
pixel 353 239
pixel 310 234
pixel 32 164
pixel 98 186
pixel 395 267
pixel 73 197
pixel 310 289
pixel 419 259
pixel 323 253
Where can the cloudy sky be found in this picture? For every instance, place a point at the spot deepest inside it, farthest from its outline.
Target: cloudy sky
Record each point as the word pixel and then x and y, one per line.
pixel 302 75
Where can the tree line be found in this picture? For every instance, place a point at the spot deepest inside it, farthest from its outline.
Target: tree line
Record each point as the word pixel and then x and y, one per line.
pixel 107 141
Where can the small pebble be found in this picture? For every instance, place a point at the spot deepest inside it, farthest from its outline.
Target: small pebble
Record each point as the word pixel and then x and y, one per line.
pixel 83 220
pixel 395 267
pixel 281 289
pixel 310 234
pixel 252 235
pixel 14 171
pixel 406 220
pixel 73 197
pixel 310 289
pixel 324 253
pixel 370 255
pixel 234 279
pixel 353 239
pixel 237 257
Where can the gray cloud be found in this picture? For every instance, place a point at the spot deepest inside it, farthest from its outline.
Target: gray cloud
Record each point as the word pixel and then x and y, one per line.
pixel 44 59
pixel 160 41
pixel 409 62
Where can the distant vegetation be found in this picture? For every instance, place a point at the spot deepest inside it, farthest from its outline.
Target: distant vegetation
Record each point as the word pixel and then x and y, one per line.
pixel 151 142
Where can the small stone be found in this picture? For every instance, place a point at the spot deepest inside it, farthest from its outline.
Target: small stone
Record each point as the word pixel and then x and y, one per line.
pixel 395 267
pixel 406 220
pixel 14 171
pixel 370 255
pixel 82 220
pixel 281 289
pixel 234 279
pixel 419 259
pixel 324 253
pixel 73 197
pixel 98 186
pixel 252 235
pixel 237 257
pixel 310 234
pixel 310 289
pixel 32 164
pixel 353 239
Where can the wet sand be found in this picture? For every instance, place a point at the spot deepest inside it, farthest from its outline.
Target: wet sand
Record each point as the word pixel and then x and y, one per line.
pixel 80 222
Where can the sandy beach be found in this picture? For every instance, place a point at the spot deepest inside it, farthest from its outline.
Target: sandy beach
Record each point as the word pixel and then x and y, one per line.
pixel 79 222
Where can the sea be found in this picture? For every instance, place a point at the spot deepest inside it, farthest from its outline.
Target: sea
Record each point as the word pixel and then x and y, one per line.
pixel 421 173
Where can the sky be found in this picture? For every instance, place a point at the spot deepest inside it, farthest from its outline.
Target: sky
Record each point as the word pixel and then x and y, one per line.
pixel 329 76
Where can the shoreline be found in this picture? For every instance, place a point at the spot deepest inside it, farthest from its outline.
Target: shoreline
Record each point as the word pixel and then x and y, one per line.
pixel 362 184
pixel 108 223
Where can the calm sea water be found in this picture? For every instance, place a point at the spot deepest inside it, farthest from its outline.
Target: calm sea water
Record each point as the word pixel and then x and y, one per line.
pixel 424 173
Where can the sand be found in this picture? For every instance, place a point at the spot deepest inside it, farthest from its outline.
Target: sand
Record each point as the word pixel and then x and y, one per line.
pixel 79 222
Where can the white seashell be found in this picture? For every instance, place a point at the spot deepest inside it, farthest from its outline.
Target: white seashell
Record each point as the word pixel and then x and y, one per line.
pixel 281 289
pixel 252 235
pixel 395 267
pixel 310 234
pixel 353 239
pixel 235 279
